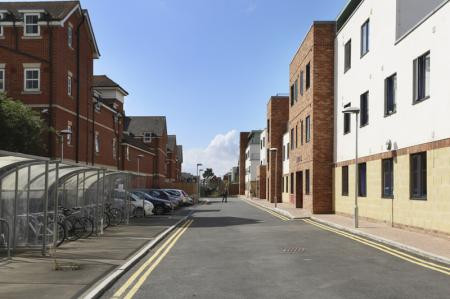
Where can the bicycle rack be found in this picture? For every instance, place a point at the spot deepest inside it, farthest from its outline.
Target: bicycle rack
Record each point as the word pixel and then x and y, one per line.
pixel 8 245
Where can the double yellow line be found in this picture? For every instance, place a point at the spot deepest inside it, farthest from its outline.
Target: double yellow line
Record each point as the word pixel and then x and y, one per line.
pixel 282 217
pixel 386 249
pixel 131 285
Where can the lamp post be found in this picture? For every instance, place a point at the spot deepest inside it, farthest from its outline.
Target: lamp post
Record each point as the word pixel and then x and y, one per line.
pixel 61 134
pixel 355 111
pixel 274 149
pixel 198 182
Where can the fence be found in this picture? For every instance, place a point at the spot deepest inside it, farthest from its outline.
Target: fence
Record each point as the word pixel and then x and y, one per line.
pixel 34 191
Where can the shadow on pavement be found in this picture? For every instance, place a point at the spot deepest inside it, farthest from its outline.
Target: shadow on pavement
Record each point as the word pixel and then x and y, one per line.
pixel 222 221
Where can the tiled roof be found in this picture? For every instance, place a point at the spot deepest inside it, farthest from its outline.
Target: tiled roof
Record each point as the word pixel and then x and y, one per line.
pixel 171 142
pixel 105 81
pixel 180 153
pixel 58 10
pixel 138 125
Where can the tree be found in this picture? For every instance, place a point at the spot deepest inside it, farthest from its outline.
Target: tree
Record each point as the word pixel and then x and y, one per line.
pixel 208 173
pixel 21 128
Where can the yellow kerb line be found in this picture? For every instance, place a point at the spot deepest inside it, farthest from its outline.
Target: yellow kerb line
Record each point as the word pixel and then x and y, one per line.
pixel 399 254
pixel 144 276
pixel 282 217
pixel 133 277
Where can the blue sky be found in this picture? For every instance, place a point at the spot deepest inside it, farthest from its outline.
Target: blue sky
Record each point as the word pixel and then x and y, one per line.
pixel 208 65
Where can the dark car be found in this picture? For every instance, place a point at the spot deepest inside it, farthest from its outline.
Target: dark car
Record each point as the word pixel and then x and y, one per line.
pixel 161 206
pixel 161 194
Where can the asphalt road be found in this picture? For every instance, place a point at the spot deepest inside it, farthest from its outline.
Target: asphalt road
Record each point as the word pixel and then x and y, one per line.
pixel 235 250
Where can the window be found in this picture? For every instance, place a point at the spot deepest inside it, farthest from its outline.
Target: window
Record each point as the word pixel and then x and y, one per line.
pixel 127 153
pixel 1 27
pixel 268 130
pixel 69 85
pixel 308 75
pixel 147 137
pixel 2 79
pixel 287 150
pixel 69 136
pixel 390 95
pixel 114 148
pixel 301 132
pixel 348 56
pixel 32 79
pixel 283 153
pixel 296 136
pixel 302 83
pixel 287 184
pixel 362 180
pixel 292 95
pixel 365 38
pixel 419 176
pixel 344 180
pixel 387 178
pixel 307 189
pixel 292 183
pixel 69 35
pixel 97 143
pixel 364 106
pixel 347 120
pixel 294 92
pixel 292 139
pixel 422 78
pixel 308 129
pixel 31 25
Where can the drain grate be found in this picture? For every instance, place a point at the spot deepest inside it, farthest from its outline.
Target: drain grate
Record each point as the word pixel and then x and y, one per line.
pixel 293 250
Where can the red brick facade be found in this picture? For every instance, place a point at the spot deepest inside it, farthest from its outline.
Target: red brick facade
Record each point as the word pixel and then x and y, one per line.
pixel 262 178
pixel 277 121
pixel 243 143
pixel 313 156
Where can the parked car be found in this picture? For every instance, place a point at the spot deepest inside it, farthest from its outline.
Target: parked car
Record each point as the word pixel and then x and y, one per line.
pixel 161 206
pixel 141 207
pixel 185 199
pixel 161 194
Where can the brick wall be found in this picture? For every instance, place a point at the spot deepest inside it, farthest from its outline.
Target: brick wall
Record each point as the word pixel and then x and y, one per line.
pixel 243 142
pixel 317 103
pixel 262 177
pixel 277 116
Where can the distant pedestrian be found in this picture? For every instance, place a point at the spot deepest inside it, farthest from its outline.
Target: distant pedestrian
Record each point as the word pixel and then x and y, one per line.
pixel 225 196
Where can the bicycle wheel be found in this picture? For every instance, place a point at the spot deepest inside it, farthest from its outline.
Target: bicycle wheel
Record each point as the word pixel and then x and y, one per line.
pixel 115 216
pixel 88 226
pixel 61 236
pixel 106 220
pixel 74 229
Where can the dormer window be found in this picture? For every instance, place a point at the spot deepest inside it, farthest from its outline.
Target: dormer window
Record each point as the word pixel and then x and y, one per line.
pixel 70 35
pixel 2 15
pixel 31 25
pixel 147 137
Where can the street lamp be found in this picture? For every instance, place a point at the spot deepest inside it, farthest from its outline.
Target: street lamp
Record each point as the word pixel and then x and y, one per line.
pixel 274 149
pixel 61 134
pixel 355 111
pixel 198 182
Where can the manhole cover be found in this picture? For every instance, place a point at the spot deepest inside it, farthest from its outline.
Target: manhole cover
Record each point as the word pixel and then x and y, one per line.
pixel 293 250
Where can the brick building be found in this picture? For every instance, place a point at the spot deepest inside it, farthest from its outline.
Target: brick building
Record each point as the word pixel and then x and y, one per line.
pixel 152 131
pixel 171 160
pixel 179 166
pixel 46 59
pixel 277 122
pixel 311 122
pixel 243 142
pixel 261 173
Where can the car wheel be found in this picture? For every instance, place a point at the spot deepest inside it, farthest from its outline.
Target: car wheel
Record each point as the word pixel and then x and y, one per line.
pixel 159 210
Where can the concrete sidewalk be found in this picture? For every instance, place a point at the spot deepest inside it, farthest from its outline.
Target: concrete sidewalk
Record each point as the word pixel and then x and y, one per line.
pixel 31 275
pixel 419 243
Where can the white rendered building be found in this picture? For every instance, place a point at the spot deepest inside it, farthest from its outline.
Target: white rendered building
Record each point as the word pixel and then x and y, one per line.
pixel 252 162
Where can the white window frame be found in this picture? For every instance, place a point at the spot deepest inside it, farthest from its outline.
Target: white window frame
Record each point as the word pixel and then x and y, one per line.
pixel 147 139
pixel 69 84
pixel 127 153
pixel 25 33
pixel 69 136
pixel 3 80
pixel 97 143
pixel 114 148
pixel 2 15
pixel 70 35
pixel 27 69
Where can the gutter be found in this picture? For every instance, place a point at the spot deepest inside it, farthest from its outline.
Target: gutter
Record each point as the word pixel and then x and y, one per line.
pixel 77 151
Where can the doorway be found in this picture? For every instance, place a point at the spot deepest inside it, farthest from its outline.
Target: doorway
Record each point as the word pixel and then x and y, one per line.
pixel 299 190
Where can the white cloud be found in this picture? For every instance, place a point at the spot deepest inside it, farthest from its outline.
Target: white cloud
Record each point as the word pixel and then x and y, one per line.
pixel 221 154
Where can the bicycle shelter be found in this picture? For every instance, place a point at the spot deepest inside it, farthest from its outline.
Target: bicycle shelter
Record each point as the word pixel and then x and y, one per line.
pixel 32 189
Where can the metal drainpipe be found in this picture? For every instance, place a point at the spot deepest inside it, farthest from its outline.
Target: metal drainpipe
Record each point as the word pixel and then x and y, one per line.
pixel 77 153
pixel 50 85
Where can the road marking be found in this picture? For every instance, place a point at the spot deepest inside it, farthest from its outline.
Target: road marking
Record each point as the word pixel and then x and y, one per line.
pixel 282 217
pixel 386 249
pixel 144 276
pixel 133 277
